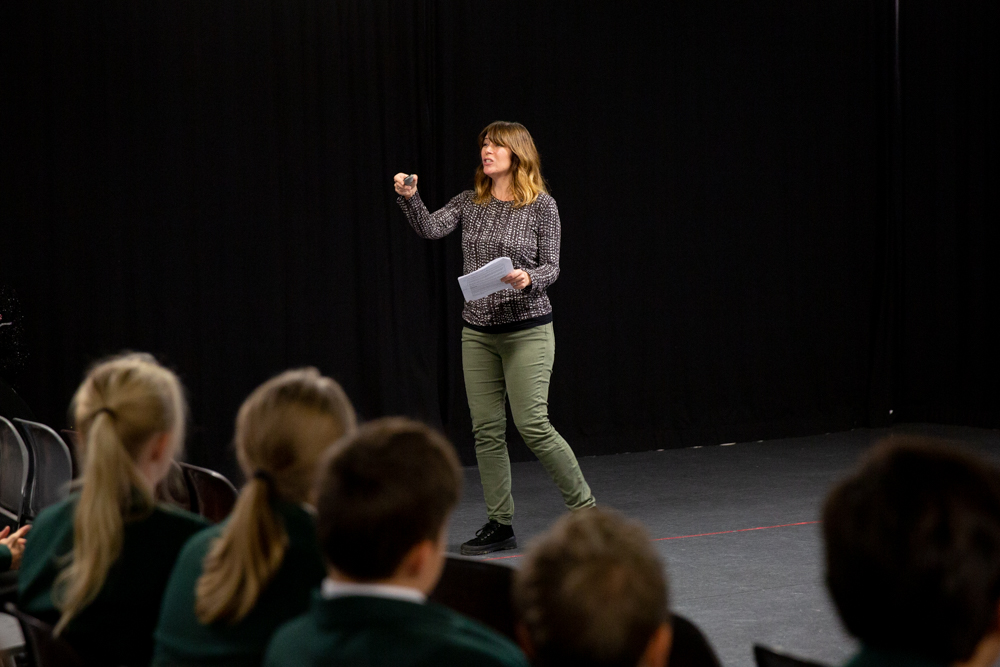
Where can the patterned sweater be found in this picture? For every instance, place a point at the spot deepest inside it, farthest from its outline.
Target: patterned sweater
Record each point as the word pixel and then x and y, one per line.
pixel 528 235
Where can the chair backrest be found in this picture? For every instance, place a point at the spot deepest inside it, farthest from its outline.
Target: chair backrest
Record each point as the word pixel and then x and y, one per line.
pixel 480 590
pixel 15 474
pixel 44 649
pixel 72 438
pixel 766 657
pixel 174 490
pixel 690 648
pixel 213 495
pixel 8 586
pixel 52 464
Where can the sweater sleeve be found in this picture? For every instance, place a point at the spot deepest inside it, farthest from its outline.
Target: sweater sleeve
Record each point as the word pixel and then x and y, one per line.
pixel 432 225
pixel 549 236
pixel 5 558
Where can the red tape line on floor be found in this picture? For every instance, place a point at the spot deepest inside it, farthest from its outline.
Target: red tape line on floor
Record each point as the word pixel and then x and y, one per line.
pixel 738 530
pixel 682 537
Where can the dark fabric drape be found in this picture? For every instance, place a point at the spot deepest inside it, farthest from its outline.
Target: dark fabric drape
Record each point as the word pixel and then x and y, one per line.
pixel 210 182
pixel 950 370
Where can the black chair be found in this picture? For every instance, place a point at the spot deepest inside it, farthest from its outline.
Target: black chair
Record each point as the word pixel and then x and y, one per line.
pixel 690 648
pixel 766 657
pixel 42 647
pixel 174 489
pixel 212 495
pixel 15 475
pixel 72 440
pixel 8 586
pixel 178 487
pixel 52 464
pixel 480 590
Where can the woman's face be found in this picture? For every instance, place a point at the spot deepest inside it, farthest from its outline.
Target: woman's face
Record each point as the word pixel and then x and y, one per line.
pixel 496 159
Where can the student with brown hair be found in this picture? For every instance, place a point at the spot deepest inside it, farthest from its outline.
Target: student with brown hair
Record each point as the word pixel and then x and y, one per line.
pixel 592 593
pixel 508 340
pixel 384 498
pixel 95 565
pixel 913 556
pixel 237 582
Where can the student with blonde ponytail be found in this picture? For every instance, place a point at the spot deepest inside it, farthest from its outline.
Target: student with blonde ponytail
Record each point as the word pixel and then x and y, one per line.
pixel 97 563
pixel 237 582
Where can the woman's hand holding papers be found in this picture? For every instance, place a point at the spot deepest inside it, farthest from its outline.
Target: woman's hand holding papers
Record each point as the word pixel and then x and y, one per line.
pixel 517 279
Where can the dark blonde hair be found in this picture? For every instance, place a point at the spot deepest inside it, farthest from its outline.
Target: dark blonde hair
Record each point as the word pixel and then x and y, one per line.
pixel 526 181
pixel 591 592
pixel 121 404
pixel 282 431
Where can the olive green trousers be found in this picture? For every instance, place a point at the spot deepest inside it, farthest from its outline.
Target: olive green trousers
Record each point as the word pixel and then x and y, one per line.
pixel 516 365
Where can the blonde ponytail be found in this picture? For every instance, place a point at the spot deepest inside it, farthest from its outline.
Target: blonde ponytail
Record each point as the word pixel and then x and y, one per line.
pixel 244 561
pixel 120 406
pixel 282 430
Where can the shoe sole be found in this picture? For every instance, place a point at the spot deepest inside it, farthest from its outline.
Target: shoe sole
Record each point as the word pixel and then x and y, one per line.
pixel 509 543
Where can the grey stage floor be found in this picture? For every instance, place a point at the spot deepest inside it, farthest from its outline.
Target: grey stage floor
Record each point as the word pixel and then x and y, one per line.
pixel 740 586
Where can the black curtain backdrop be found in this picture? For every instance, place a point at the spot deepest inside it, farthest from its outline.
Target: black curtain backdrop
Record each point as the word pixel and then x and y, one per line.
pixel 766 232
pixel 950 371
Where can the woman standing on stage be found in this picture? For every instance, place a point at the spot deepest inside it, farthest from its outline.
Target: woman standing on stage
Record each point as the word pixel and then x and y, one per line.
pixel 508 344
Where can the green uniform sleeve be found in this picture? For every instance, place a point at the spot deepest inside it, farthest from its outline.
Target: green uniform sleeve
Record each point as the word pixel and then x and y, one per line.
pixel 5 558
pixel 289 646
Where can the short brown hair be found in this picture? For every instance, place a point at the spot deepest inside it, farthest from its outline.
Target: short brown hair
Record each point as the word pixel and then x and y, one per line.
pixel 381 491
pixel 591 592
pixel 913 549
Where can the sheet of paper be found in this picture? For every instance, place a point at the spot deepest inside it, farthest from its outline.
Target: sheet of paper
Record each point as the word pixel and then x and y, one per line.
pixel 485 281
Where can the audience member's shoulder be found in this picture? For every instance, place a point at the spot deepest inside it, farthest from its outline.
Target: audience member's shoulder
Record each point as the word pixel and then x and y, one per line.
pixel 178 520
pixel 482 645
pixel 289 643
pixel 198 545
pixel 51 534
pixel 296 517
pixel 475 653
pixel 59 514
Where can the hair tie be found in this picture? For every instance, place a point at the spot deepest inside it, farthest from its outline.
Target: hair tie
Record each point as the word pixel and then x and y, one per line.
pixel 264 476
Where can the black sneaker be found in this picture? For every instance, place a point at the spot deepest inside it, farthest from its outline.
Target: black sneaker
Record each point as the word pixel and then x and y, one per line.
pixel 494 536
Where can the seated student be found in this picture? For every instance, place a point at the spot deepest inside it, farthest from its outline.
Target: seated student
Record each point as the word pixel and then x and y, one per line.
pixel 384 497
pixel 591 592
pixel 11 547
pixel 95 565
pixel 913 556
pixel 235 583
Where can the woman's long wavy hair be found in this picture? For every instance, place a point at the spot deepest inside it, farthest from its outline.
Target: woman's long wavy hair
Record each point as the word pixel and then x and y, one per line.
pixel 282 430
pixel 526 181
pixel 122 404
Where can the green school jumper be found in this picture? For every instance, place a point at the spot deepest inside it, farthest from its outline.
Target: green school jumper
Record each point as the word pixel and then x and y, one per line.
pixel 182 640
pixel 117 627
pixel 358 631
pixel 869 657
pixel 5 558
